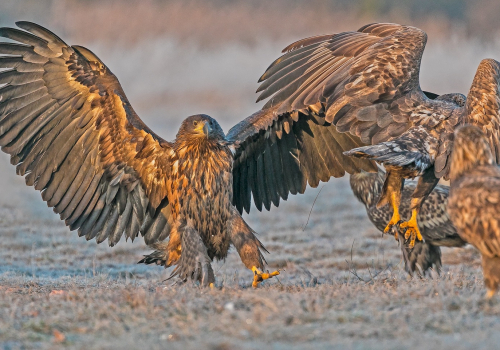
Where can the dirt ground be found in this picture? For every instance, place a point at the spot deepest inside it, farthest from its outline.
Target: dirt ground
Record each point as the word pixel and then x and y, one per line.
pixel 342 286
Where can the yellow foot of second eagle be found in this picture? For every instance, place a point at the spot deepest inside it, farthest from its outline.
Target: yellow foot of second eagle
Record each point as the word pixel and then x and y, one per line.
pixel 411 230
pixel 259 276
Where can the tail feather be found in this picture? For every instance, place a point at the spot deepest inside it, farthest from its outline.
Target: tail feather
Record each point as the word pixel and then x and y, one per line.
pixel 393 153
pixel 421 258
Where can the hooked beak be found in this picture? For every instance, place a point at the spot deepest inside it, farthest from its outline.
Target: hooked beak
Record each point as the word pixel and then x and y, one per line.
pixel 204 128
pixel 207 129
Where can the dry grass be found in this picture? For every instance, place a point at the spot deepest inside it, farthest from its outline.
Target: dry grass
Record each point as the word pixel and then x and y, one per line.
pixel 57 290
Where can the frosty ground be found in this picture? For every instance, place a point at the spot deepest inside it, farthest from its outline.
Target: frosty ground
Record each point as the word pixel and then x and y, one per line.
pixel 342 286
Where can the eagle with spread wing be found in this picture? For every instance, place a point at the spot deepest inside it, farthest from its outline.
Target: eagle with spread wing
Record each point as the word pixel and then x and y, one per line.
pixel 71 131
pixel 474 201
pixel 433 220
pixel 366 84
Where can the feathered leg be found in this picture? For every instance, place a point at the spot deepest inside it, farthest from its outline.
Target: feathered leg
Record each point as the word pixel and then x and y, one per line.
pixel 425 185
pixel 166 253
pixel 186 250
pixel 391 193
pixel 249 248
pixel 194 262
pixel 491 272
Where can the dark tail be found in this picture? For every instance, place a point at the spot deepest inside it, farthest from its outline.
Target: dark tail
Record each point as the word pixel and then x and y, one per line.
pixel 408 150
pixel 390 153
pixel 421 258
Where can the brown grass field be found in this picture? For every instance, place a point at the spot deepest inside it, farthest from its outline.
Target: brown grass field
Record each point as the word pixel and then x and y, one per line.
pixel 342 285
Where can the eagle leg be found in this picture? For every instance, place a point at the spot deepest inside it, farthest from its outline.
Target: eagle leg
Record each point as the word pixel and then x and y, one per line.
pixel 491 272
pixel 425 185
pixel 249 248
pixel 166 253
pixel 396 219
pixel 490 293
pixel 194 262
pixel 391 193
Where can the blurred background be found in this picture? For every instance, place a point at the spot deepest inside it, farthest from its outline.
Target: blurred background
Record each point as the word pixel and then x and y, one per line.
pixel 182 57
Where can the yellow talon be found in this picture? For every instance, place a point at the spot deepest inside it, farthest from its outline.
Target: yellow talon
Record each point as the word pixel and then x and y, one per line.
pixel 395 216
pixel 211 285
pixel 259 276
pixel 412 230
pixel 490 293
pixel 394 220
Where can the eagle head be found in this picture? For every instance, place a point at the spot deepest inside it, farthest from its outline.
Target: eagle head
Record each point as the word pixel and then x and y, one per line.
pixel 200 126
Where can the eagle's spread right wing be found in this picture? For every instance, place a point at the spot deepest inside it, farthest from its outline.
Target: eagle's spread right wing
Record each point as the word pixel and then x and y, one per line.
pixel 71 131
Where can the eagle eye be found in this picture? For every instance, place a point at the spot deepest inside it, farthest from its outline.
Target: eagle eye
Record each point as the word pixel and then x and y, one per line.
pixel 195 123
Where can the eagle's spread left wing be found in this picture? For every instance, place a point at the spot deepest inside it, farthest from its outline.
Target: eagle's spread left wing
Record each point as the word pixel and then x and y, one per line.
pixel 328 94
pixel 72 133
pixel 280 154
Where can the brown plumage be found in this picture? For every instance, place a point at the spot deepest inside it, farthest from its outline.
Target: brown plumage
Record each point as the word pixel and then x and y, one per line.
pixel 70 130
pixel 366 83
pixel 474 201
pixel 433 220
